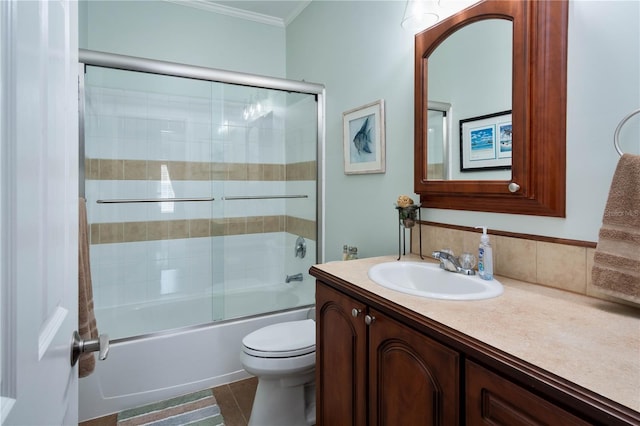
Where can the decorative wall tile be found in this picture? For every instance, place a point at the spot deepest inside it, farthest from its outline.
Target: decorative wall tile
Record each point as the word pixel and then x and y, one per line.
pixel 111 232
pixel 131 169
pixel 255 171
pixel 116 232
pixel 217 227
pixel 274 224
pixel 255 225
pixel 559 265
pixel 199 228
pixel 157 230
pixel 111 170
pixel 218 171
pixel 135 231
pixel 135 170
pixel 235 226
pixel 273 172
pixel 178 229
pixel 237 171
pixel 301 171
pixel 91 168
pixel 562 266
pixel 302 227
pixel 515 258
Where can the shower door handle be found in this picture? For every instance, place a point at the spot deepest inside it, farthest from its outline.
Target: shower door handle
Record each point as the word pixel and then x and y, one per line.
pixel 80 346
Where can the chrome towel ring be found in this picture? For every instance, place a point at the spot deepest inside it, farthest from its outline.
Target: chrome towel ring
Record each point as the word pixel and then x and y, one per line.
pixel 616 134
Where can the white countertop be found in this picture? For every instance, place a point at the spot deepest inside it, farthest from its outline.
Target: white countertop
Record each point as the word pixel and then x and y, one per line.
pixel 590 342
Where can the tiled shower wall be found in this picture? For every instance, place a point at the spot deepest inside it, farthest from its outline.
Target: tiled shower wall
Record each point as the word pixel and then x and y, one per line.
pixel 154 137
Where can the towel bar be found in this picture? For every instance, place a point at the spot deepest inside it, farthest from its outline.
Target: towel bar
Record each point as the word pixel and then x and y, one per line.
pixel 182 200
pixel 152 200
pixel 262 197
pixel 616 134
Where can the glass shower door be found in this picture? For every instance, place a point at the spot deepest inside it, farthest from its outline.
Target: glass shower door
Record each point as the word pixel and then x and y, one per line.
pixel 237 168
pixel 147 139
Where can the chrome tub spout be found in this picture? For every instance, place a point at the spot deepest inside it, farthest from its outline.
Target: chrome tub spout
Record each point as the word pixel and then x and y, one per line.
pixel 296 277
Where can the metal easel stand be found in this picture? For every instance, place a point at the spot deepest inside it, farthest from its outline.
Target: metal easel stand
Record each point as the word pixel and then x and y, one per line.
pixel 407 220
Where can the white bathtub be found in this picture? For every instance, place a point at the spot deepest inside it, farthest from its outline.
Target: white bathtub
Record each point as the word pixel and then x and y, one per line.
pixel 148 369
pixel 139 319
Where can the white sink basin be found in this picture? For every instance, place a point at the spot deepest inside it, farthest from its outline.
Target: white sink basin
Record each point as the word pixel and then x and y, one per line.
pixel 428 280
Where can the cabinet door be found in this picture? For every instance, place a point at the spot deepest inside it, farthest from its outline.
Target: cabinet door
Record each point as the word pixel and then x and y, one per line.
pixel 413 380
pixel 341 359
pixel 494 400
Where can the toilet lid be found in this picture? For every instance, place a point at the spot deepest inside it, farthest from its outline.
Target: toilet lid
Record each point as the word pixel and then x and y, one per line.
pixel 285 339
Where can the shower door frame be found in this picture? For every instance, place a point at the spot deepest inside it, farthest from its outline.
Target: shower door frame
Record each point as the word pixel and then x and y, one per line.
pixel 173 69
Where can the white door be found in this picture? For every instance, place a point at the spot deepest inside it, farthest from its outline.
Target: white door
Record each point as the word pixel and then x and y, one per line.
pixel 38 211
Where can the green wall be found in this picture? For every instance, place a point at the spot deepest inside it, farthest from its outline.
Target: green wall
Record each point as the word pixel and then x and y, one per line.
pixel 171 32
pixel 360 52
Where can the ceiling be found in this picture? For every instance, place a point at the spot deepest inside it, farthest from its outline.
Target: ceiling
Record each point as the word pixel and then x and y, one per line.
pixel 272 12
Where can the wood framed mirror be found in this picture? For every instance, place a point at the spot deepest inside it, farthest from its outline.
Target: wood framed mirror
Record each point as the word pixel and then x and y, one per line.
pixel 537 180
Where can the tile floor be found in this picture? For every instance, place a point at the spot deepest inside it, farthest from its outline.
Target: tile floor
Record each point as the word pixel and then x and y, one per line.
pixel 235 401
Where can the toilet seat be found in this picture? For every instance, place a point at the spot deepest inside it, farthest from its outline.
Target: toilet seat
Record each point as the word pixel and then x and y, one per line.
pixel 282 340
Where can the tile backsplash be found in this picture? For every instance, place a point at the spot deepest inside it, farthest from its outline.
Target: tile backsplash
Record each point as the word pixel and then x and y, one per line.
pixel 563 265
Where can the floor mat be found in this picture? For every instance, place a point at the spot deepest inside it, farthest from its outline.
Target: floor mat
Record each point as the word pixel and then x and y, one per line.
pixel 199 408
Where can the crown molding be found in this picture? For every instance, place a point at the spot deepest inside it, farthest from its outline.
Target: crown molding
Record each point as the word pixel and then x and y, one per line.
pixel 210 6
pixel 301 6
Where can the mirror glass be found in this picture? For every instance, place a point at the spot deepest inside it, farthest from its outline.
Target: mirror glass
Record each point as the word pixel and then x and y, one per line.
pixel 471 71
pixel 439 137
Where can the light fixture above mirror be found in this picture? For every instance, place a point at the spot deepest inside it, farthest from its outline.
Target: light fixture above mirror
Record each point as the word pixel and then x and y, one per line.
pixel 420 14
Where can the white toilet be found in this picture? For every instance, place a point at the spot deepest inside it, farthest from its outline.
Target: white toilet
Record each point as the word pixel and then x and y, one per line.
pixel 283 358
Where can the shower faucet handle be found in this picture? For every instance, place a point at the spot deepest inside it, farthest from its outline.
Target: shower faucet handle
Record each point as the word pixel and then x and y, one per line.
pixel 300 248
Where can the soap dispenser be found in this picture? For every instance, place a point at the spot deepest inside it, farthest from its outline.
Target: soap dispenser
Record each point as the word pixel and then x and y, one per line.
pixel 485 256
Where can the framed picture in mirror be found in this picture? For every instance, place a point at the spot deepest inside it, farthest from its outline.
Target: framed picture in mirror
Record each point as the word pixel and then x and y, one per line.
pixel 364 139
pixel 485 142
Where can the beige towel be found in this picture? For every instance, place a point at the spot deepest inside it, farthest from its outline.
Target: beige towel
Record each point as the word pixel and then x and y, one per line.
pixel 616 264
pixel 87 326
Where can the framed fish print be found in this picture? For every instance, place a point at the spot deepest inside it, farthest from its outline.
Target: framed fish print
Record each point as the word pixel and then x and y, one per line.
pixel 364 139
pixel 485 142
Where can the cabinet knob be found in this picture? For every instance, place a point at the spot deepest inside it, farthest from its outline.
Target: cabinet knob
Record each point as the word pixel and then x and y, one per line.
pixel 514 187
pixel 355 312
pixel 368 319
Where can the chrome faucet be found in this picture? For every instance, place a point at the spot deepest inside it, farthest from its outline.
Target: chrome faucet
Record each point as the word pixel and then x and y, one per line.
pixel 450 263
pixel 296 277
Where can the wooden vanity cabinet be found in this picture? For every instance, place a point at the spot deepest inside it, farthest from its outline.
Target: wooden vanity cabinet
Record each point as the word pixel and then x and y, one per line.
pixel 493 400
pixel 380 364
pixel 373 370
pixel 341 351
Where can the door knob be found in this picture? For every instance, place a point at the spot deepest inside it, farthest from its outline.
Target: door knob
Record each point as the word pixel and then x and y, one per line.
pixel 80 346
